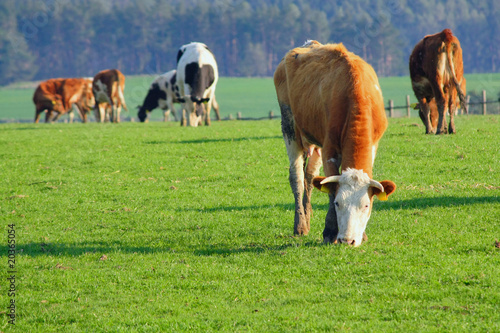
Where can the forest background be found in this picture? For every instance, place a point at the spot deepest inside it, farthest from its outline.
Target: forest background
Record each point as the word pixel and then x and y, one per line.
pixel 41 39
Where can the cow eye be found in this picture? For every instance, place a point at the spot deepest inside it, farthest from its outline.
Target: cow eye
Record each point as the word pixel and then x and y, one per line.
pixel 336 204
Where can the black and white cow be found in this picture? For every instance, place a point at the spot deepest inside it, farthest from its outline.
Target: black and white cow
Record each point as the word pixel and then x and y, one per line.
pixel 161 94
pixel 197 76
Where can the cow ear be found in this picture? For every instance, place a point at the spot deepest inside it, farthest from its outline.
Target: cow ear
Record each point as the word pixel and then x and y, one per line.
pixel 389 188
pixel 326 188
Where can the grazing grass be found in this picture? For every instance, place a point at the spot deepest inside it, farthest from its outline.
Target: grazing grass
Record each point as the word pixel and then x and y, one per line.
pixel 252 97
pixel 157 228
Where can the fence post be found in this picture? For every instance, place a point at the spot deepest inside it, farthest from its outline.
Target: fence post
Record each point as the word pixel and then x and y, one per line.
pixel 238 116
pixel 271 114
pixel 408 105
pixel 484 102
pixel 391 108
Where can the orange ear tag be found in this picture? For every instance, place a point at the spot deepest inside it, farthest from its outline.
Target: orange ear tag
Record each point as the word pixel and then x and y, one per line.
pixel 382 196
pixel 325 189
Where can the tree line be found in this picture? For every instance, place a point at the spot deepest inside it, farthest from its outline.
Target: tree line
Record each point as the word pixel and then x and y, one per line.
pixel 40 39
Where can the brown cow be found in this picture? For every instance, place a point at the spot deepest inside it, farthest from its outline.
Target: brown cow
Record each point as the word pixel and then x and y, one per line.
pixel 333 114
pixel 436 71
pixel 61 96
pixel 108 89
pixel 433 109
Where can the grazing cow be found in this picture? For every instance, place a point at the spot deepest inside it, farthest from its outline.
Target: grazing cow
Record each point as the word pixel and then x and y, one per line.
pixel 161 94
pixel 197 76
pixel 436 71
pixel 62 96
pixel 433 109
pixel 332 114
pixel 108 89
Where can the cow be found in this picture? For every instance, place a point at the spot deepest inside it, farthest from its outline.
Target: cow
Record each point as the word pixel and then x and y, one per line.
pixel 433 109
pixel 161 94
pixel 197 77
pixel 108 86
pixel 332 114
pixel 436 72
pixel 61 96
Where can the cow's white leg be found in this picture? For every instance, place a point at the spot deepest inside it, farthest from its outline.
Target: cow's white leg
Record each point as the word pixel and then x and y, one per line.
pixel 208 108
pixel 312 170
pixel 71 116
pixel 215 105
pixel 117 113
pixel 296 179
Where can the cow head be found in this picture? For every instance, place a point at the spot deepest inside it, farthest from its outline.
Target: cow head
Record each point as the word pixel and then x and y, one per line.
pixel 351 195
pixel 142 114
pixel 195 108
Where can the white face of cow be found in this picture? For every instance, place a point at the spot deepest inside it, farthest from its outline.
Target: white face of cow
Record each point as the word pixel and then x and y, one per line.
pixel 353 203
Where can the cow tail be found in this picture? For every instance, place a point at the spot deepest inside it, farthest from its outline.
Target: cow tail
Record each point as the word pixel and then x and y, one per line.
pixel 122 98
pixel 451 68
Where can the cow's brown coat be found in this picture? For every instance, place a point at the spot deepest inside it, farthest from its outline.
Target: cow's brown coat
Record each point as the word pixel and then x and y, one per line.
pixel 436 71
pixel 332 109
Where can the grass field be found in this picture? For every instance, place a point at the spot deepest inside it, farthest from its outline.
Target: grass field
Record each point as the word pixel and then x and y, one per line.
pixel 157 228
pixel 252 97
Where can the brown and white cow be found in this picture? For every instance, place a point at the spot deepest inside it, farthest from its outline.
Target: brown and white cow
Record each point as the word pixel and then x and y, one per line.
pixel 433 109
pixel 108 89
pixel 436 71
pixel 61 96
pixel 332 114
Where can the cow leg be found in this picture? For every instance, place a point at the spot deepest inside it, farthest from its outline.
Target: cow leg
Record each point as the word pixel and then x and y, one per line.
pixel 312 170
pixel 331 166
pixel 166 115
pixel 296 179
pixel 56 117
pixel 208 108
pixel 441 127
pixel 117 113
pixel 183 117
pixel 174 111
pixel 48 115
pixel 424 114
pixel 216 107
pixel 37 115
pixel 452 109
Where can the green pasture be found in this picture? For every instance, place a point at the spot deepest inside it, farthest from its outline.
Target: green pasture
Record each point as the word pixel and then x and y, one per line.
pixel 252 97
pixel 156 228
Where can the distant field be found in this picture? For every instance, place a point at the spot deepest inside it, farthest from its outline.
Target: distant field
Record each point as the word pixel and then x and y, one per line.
pixel 253 97
pixel 157 228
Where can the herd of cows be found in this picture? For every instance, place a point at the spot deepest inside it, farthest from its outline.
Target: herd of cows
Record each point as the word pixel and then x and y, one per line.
pixel 332 113
pixel 192 85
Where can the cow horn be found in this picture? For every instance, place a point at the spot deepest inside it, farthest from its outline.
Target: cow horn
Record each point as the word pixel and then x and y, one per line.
pixel 331 179
pixel 376 184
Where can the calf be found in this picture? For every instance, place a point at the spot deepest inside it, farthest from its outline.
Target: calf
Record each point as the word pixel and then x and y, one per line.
pixel 108 89
pixel 436 71
pixel 332 114
pixel 197 76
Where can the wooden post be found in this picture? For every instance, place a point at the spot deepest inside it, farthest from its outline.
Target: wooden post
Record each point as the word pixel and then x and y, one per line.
pixel 391 108
pixel 238 116
pixel 408 105
pixel 484 102
pixel 271 114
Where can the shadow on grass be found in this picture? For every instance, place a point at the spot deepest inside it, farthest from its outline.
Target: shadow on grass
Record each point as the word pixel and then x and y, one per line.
pixel 417 203
pixel 226 250
pixel 207 140
pixel 98 249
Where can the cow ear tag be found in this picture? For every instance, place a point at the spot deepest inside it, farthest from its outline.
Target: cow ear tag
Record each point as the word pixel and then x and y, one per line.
pixel 382 196
pixel 53 102
pixel 325 189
